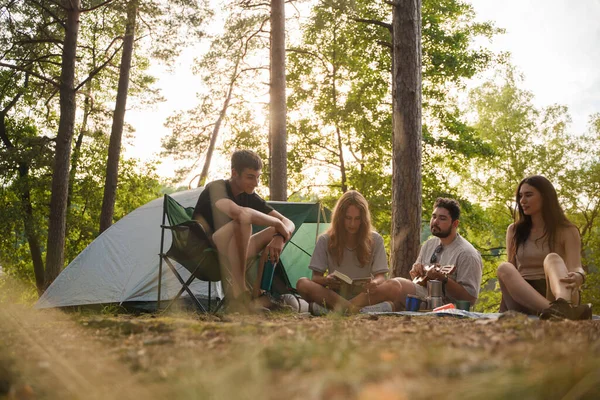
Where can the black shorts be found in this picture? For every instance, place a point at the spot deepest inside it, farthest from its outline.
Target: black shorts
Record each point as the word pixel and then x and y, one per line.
pixel 539 285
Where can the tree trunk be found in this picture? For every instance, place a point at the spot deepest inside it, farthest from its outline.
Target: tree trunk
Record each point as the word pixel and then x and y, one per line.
pixel 277 131
pixel 338 132
pixel 217 128
pixel 87 106
pixel 407 135
pixel 28 220
pixel 114 148
pixel 60 176
pixel 30 232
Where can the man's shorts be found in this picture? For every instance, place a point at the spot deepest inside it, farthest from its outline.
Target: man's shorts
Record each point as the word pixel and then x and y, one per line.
pixel 421 291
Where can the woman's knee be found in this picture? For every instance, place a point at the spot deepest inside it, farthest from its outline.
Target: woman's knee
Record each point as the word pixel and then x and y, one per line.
pixel 303 285
pixel 505 270
pixel 553 260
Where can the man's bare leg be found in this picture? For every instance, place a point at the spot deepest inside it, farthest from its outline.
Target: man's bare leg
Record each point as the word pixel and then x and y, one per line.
pixel 312 292
pixel 260 240
pixel 232 241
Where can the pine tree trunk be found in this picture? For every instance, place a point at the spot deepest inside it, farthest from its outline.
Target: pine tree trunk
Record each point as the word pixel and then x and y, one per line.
pixel 407 135
pixel 28 220
pixel 217 127
pixel 87 108
pixel 60 177
pixel 277 140
pixel 114 148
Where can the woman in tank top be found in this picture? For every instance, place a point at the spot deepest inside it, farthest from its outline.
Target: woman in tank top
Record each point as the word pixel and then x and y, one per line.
pixel 544 273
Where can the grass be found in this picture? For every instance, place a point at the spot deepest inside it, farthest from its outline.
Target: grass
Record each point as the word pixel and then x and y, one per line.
pixel 184 355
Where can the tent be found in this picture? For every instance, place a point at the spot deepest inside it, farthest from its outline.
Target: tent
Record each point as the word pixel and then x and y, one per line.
pixel 121 265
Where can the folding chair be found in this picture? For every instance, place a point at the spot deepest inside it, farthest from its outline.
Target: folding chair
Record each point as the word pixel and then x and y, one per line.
pixel 190 248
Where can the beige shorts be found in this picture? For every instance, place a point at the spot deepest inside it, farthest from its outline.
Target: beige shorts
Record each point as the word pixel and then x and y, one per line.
pixel 421 290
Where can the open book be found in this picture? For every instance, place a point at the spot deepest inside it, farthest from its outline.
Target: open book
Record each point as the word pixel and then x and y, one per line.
pixel 346 279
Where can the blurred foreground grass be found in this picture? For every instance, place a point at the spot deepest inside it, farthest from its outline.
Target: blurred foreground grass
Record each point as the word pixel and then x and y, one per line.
pixel 184 355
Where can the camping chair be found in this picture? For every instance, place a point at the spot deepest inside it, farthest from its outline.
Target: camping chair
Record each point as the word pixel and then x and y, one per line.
pixel 191 248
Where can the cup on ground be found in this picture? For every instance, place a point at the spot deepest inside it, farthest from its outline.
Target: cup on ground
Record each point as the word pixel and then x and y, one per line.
pixel 463 305
pixel 413 303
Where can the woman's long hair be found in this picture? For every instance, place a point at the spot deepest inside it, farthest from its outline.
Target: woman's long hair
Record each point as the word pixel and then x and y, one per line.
pixel 552 213
pixel 337 231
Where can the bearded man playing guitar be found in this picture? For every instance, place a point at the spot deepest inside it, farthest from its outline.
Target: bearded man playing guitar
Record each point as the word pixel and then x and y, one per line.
pixel 437 256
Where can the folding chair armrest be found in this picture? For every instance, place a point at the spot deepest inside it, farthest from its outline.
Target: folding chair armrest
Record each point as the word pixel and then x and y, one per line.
pixel 175 227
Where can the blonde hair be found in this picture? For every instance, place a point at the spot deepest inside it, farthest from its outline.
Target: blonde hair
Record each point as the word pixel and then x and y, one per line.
pixel 337 229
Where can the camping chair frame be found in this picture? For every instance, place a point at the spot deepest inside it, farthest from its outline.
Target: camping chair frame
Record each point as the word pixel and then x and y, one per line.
pixel 184 283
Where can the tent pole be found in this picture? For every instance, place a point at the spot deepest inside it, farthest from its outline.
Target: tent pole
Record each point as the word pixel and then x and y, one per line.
pixel 318 223
pixel 160 256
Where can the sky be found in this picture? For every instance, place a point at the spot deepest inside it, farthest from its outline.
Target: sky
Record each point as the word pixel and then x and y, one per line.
pixel 554 43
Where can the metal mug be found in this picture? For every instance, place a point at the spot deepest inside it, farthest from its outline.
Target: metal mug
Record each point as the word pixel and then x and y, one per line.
pixel 434 288
pixel 413 303
pixel 434 301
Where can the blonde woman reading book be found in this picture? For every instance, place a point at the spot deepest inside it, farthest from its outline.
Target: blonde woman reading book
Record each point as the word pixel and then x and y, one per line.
pixel 350 249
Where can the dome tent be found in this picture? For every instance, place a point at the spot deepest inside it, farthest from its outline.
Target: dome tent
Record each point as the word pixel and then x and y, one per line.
pixel 121 265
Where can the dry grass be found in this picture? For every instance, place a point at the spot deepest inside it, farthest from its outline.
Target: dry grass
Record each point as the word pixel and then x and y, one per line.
pixel 289 356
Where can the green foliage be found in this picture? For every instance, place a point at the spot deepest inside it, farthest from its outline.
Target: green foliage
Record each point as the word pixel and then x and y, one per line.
pixel 227 99
pixel 527 141
pixel 340 100
pixel 138 184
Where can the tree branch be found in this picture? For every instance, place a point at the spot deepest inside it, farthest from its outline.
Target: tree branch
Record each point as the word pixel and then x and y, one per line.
pixel 384 44
pixel 18 68
pixel 99 68
pixel 310 53
pixel 31 41
pixel 374 22
pixel 16 98
pixel 54 16
pixel 84 10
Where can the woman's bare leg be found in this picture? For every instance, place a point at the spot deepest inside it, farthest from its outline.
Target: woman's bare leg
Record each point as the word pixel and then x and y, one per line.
pixel 555 269
pixel 518 291
pixel 390 290
pixel 312 292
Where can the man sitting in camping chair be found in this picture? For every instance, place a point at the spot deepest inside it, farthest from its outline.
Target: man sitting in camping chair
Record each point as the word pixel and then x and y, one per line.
pixel 227 209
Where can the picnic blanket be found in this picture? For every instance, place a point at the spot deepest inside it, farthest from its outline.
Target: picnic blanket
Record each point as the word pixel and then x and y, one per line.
pixel 453 312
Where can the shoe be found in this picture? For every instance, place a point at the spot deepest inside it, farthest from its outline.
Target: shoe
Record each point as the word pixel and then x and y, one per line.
pixel 297 304
pixel 583 312
pixel 386 306
pixel 317 310
pixel 561 309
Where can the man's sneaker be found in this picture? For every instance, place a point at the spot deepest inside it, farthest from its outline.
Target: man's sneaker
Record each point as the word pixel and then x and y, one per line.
pixel 386 306
pixel 317 310
pixel 561 309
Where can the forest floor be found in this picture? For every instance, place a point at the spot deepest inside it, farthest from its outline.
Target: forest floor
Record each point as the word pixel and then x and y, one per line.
pixel 51 354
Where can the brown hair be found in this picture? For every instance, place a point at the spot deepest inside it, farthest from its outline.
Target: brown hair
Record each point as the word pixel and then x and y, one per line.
pixel 242 159
pixel 337 229
pixel 552 213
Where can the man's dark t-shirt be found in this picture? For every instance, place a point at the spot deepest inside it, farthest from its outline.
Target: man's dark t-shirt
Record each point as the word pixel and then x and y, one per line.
pixel 221 189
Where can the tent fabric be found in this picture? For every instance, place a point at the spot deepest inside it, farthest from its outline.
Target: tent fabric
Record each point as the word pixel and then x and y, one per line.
pixel 121 265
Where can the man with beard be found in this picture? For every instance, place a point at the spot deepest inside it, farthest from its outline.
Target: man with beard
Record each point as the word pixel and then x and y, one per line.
pixel 446 248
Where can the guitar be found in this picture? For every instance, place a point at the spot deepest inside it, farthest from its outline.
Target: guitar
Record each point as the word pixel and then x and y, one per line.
pixel 446 270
